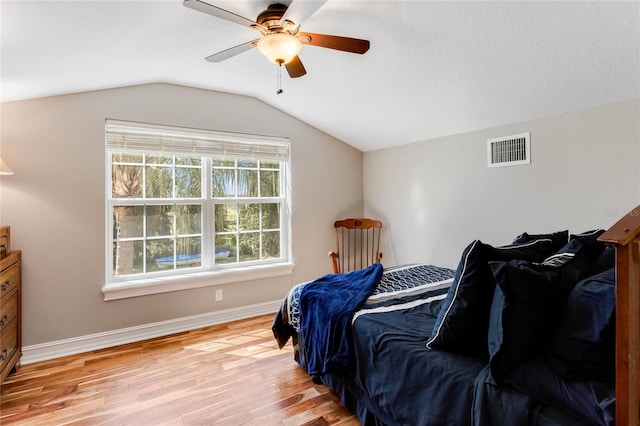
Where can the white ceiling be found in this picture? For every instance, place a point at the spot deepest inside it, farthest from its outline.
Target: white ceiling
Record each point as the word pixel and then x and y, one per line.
pixel 433 69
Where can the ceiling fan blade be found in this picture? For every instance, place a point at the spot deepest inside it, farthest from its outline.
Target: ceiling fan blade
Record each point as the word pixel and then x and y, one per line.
pixel 295 68
pixel 231 52
pixel 299 11
pixel 209 9
pixel 346 44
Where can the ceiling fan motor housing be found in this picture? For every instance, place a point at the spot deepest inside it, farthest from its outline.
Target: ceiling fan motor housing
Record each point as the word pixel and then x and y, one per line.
pixel 270 18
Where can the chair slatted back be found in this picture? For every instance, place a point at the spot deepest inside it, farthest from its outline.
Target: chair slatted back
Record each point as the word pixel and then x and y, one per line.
pixel 357 244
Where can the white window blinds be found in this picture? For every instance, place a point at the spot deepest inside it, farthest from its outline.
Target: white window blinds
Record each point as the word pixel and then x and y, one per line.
pixel 151 138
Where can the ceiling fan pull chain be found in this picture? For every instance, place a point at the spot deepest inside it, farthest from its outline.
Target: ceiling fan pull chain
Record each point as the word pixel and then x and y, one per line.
pixel 279 79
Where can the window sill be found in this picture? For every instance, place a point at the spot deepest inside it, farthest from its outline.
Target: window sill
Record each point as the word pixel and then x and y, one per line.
pixel 147 286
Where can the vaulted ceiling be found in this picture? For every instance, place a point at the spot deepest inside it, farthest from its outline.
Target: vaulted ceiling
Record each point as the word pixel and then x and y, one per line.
pixel 433 69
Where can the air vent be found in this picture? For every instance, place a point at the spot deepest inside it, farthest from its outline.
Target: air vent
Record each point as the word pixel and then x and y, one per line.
pixel 509 150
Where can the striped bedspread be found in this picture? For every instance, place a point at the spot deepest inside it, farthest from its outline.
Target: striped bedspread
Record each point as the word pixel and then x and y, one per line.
pixel 400 287
pixel 406 287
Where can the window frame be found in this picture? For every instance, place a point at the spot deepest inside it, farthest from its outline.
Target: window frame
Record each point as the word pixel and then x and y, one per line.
pixel 211 145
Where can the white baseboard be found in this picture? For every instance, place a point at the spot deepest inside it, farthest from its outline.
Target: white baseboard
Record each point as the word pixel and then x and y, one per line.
pixel 91 342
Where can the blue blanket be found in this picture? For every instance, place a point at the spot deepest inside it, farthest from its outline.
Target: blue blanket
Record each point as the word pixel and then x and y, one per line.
pixel 328 304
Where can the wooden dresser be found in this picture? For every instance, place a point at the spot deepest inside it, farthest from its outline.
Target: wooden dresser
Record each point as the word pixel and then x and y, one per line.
pixel 10 305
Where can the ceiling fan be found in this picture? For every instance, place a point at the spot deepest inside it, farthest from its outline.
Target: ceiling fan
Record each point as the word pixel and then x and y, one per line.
pixel 281 39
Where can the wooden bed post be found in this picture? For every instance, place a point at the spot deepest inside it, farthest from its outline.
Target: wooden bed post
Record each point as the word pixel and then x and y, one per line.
pixel 625 237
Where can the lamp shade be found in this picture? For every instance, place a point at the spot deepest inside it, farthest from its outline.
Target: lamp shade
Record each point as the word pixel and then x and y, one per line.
pixel 279 48
pixel 4 169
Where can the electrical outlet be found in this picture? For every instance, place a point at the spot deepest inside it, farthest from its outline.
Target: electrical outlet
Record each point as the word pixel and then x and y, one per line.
pixel 218 295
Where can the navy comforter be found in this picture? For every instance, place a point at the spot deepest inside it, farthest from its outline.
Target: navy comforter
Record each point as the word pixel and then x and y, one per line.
pixel 436 388
pixel 390 344
pixel 381 335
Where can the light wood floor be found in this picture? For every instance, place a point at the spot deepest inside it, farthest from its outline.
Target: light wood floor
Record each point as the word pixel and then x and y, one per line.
pixel 231 374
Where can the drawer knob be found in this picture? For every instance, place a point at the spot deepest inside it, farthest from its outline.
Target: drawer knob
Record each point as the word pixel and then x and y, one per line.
pixel 3 356
pixel 3 321
pixel 5 285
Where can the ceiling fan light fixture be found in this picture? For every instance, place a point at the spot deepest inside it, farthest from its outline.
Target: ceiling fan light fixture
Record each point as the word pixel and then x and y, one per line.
pixel 279 48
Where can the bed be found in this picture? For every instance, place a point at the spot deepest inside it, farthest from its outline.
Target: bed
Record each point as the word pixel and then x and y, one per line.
pixel 426 345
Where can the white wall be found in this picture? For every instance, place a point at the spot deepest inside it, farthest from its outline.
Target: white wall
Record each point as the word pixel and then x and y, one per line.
pixel 436 196
pixel 55 202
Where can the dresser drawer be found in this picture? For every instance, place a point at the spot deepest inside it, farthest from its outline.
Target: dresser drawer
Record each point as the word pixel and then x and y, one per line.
pixel 8 343
pixel 8 309
pixel 4 244
pixel 10 305
pixel 9 280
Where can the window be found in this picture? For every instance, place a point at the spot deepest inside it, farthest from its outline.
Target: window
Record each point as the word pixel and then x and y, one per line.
pixel 183 201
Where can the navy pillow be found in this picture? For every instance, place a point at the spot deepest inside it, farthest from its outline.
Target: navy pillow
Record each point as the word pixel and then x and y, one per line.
pixel 593 248
pixel 607 260
pixel 462 322
pixel 527 303
pixel 560 238
pixel 584 344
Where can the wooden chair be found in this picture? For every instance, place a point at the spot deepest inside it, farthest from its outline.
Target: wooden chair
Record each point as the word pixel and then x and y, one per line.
pixel 358 244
